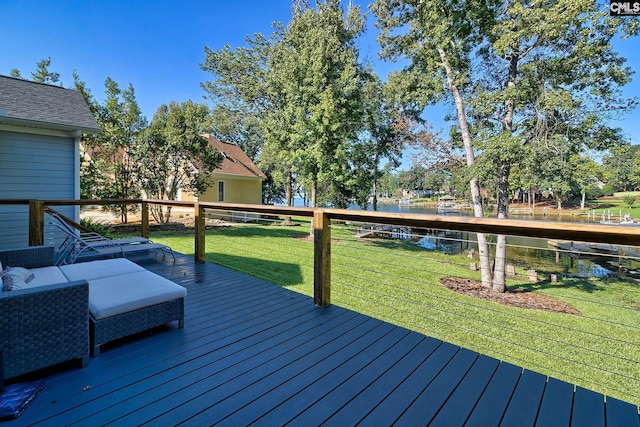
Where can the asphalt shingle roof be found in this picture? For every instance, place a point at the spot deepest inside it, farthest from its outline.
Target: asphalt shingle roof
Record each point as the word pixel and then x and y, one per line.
pixel 235 161
pixel 43 105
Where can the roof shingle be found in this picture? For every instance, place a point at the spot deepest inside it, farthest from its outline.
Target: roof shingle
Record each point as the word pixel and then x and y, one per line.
pixel 43 105
pixel 235 161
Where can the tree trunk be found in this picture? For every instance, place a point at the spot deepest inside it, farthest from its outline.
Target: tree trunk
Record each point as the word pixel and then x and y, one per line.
pixel 375 190
pixel 288 195
pixel 499 278
pixel 498 283
pixel 583 200
pixel 483 245
pixel 314 190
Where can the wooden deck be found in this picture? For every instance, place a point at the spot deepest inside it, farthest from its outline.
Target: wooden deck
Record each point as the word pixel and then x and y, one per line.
pixel 254 353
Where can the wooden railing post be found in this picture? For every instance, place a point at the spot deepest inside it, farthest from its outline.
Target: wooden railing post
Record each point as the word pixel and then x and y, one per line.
pixel 321 259
pixel 200 233
pixel 36 223
pixel 144 226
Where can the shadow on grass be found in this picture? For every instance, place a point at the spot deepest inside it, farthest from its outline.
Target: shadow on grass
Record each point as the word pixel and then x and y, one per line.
pixel 278 273
pixel 258 231
pixel 580 284
pixel 407 245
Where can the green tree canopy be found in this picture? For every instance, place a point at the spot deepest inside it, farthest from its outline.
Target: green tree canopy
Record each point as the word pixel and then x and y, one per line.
pixel 110 151
pixel 42 73
pixel 517 73
pixel 171 155
pixel 298 94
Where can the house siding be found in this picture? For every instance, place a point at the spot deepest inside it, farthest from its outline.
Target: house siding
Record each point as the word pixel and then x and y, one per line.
pixel 34 166
pixel 236 190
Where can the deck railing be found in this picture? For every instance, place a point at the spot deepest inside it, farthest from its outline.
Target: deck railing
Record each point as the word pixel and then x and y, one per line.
pixel 322 231
pixel 371 262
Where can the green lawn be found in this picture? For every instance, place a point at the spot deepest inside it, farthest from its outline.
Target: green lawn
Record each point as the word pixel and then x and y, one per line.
pixel 616 206
pixel 396 281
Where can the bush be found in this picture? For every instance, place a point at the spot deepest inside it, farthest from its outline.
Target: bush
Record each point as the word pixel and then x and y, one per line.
pixel 608 190
pixel 97 226
pixel 594 192
pixel 629 200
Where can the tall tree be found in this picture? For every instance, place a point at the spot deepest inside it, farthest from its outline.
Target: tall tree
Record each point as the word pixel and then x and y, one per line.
pixel 92 179
pixel 384 133
pixel 619 165
pixel 321 79
pixel 517 72
pixel 242 97
pixel 171 155
pixel 588 176
pixel 42 73
pixel 120 120
pixel 240 92
pixel 298 94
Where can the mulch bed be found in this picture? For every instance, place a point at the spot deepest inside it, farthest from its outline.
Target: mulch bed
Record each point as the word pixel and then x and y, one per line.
pixel 512 297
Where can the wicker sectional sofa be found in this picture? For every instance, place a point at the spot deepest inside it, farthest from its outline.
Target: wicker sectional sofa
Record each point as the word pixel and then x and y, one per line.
pixel 44 326
pixel 87 305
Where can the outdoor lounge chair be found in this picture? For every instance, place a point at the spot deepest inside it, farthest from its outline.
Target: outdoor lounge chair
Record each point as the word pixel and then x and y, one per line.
pixel 81 245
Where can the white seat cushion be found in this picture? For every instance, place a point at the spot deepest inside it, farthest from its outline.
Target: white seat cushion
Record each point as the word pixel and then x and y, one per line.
pixel 100 269
pixel 114 295
pixel 45 276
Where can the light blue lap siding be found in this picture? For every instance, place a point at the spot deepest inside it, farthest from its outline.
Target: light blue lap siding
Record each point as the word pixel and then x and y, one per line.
pixel 33 167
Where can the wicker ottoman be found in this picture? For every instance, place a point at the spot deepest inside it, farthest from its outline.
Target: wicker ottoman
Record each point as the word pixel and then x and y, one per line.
pixel 125 299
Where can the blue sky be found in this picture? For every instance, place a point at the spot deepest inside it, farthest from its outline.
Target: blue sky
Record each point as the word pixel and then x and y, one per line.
pixel 158 45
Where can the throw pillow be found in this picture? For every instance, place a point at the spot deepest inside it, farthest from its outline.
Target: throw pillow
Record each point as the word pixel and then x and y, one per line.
pixel 7 282
pixel 14 278
pixel 20 273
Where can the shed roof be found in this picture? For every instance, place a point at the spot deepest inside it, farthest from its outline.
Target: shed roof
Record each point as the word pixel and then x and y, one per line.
pixel 235 161
pixel 27 103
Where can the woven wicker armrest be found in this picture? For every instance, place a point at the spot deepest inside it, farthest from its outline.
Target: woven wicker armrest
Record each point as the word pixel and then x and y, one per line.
pixel 44 326
pixel 27 257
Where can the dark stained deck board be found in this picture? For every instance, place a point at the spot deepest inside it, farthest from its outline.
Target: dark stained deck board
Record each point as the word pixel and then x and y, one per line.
pixel 588 408
pixel 557 403
pixel 178 385
pixel 458 407
pixel 621 414
pixel 389 410
pixel 494 401
pixel 264 393
pixel 251 381
pixel 252 352
pixel 191 368
pixel 525 403
pixel 432 398
pixel 349 358
pixel 363 391
pixel 327 387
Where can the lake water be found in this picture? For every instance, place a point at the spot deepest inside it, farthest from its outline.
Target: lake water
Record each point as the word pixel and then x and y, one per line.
pixel 523 251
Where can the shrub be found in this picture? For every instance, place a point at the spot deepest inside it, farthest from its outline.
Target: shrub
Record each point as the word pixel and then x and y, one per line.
pixel 608 190
pixel 97 226
pixel 629 200
pixel 594 192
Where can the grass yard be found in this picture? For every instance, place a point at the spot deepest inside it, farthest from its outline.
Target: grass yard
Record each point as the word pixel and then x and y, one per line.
pixel 396 281
pixel 617 207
